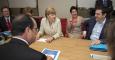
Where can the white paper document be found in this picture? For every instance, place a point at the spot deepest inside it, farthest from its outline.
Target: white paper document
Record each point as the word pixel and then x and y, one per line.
pixel 42 40
pixel 53 53
pixel 100 57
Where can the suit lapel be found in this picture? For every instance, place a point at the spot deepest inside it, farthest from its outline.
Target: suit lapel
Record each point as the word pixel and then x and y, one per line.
pixel 102 31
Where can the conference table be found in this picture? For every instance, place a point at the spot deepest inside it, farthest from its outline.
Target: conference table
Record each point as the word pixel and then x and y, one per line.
pixel 71 48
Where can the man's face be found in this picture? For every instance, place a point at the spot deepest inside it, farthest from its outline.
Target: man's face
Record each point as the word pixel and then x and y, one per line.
pixel 5 12
pixel 32 33
pixel 99 16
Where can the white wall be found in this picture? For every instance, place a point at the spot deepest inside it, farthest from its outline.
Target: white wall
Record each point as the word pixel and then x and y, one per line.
pixel 62 6
pixel 22 3
pixel 86 3
pixel 113 4
pixel 90 3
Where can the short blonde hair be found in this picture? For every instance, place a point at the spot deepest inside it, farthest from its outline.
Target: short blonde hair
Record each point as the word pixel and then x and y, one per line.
pixel 50 10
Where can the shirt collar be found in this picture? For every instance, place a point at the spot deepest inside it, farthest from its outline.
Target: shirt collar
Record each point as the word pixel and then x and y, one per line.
pixel 21 39
pixel 7 18
pixel 103 22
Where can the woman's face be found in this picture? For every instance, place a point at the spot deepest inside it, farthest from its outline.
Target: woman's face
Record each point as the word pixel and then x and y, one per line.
pixel 74 13
pixel 51 17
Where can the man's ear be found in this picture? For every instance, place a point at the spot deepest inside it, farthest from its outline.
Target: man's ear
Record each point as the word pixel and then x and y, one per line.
pixel 105 14
pixel 27 29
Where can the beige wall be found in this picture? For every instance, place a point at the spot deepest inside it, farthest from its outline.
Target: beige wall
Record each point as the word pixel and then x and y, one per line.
pixel 113 4
pixel 90 3
pixel 86 3
pixel 22 3
pixel 62 6
pixel 3 3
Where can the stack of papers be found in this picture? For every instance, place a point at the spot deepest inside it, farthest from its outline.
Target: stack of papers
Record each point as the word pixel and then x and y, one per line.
pixel 100 57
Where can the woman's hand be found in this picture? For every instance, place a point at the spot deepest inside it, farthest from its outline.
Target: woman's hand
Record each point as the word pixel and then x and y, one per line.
pixel 49 58
pixel 49 39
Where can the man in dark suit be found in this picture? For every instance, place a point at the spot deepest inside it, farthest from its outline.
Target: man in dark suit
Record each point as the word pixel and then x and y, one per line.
pixel 6 20
pixel 24 33
pixel 95 27
pixel 105 4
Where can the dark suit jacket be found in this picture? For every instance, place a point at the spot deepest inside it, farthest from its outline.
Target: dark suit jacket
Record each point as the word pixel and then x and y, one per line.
pixel 99 3
pixel 19 50
pixel 3 25
pixel 89 24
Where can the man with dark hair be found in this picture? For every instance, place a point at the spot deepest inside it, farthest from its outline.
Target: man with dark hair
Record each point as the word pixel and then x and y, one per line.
pixel 24 30
pixel 105 4
pixel 95 27
pixel 6 20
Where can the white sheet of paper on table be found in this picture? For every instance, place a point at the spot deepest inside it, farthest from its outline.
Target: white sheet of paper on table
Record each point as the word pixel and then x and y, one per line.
pixel 42 40
pixel 99 57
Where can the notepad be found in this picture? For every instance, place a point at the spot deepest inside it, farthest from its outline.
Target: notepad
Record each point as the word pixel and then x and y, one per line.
pixel 99 47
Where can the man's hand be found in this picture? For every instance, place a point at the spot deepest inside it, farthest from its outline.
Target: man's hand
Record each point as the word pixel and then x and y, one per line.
pixel 83 35
pixel 95 42
pixel 49 58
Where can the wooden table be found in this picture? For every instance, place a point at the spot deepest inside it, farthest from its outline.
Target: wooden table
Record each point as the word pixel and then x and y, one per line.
pixel 71 48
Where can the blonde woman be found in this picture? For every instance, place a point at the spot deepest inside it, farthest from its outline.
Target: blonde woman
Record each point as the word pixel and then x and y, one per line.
pixel 50 25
